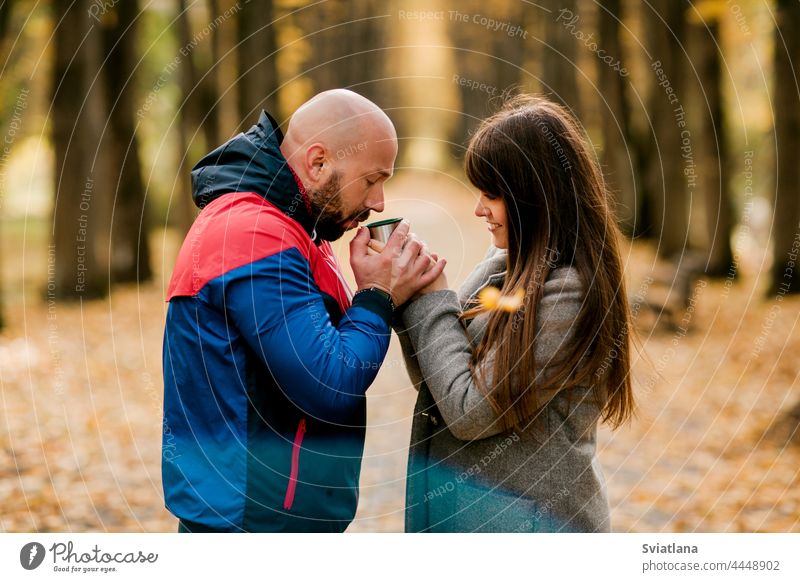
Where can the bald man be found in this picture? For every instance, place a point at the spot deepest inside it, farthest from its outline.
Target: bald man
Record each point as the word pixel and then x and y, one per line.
pixel 267 355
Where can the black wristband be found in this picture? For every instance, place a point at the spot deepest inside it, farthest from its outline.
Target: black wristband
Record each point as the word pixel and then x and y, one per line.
pixel 376 300
pixel 382 292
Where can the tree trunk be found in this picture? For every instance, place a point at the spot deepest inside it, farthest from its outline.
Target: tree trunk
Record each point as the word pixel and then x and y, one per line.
pixel 5 18
pixel 618 154
pixel 560 61
pixel 187 122
pixel 210 85
pixel 258 74
pixel 130 246
pixel 366 65
pixel 712 142
pixel 78 217
pixel 785 275
pixel 347 40
pixel 488 66
pixel 668 185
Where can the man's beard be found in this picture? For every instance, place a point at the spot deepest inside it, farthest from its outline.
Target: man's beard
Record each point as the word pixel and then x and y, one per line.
pixel 328 209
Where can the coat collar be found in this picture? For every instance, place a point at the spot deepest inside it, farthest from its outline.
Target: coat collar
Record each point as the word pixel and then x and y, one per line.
pixel 253 162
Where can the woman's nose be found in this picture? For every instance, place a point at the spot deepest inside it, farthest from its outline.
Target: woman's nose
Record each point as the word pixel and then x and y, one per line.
pixel 480 209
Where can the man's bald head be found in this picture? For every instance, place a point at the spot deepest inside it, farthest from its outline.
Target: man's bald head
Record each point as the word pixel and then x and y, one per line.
pixel 343 147
pixel 338 119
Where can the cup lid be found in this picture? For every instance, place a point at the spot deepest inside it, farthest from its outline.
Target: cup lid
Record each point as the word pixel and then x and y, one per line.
pixel 383 222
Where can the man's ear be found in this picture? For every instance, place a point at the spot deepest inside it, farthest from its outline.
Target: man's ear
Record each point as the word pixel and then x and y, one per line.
pixel 316 162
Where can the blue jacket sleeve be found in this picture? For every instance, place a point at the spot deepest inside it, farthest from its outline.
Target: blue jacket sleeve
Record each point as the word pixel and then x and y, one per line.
pixel 279 311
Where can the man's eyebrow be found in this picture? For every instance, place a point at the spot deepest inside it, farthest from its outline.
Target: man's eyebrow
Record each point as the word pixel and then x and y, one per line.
pixel 383 173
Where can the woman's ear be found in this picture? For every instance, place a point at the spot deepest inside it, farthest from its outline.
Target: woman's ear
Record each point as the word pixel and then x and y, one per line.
pixel 316 162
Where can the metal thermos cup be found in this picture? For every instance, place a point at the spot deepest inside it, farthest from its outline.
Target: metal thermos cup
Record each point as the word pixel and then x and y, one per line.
pixel 382 230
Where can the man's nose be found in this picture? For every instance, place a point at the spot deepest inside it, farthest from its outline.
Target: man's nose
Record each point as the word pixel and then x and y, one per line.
pixel 375 201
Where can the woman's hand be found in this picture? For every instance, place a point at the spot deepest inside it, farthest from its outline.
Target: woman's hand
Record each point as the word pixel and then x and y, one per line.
pixel 401 267
pixel 438 284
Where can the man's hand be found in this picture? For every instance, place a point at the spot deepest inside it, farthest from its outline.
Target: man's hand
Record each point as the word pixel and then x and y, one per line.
pixel 401 268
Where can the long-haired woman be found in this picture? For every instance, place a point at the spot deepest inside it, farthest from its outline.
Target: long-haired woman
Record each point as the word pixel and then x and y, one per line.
pixel 516 370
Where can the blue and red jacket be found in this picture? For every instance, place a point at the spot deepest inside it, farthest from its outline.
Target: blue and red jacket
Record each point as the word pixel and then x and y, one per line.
pixel 266 360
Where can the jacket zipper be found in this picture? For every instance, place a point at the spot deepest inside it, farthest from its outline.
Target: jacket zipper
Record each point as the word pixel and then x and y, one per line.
pixel 292 487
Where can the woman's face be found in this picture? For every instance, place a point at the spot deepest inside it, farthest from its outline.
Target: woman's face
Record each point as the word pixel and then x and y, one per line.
pixel 493 211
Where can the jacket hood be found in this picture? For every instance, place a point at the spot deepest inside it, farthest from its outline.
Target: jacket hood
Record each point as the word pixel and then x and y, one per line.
pixel 253 162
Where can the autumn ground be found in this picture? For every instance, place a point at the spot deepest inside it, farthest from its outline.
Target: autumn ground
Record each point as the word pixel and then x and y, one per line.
pixel 710 450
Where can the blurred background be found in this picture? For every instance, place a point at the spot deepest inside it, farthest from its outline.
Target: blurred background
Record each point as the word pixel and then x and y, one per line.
pixel 693 109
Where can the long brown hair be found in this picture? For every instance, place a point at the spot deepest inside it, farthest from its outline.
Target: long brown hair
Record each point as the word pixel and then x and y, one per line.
pixel 534 156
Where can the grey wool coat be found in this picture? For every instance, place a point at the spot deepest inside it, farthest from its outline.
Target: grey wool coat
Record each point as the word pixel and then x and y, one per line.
pixel 464 474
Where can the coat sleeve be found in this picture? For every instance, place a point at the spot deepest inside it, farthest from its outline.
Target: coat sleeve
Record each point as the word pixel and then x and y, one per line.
pixel 443 352
pixel 279 311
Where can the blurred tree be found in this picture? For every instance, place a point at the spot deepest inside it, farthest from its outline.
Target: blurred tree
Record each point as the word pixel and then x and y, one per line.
pixel 5 17
pixel 210 82
pixel 130 246
pixel 200 125
pixel 559 59
pixel 258 81
pixel 712 139
pixel 188 120
pixel 786 109
pixel 488 65
pixel 665 37
pixel 618 155
pixel 346 45
pixel 80 179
